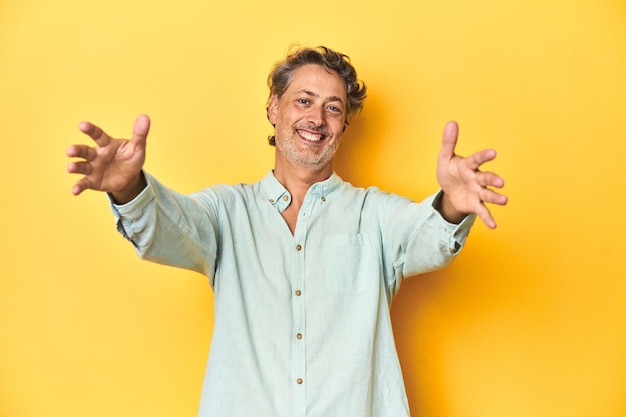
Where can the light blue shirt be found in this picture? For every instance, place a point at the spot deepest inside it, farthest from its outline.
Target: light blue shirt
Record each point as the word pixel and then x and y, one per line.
pixel 302 321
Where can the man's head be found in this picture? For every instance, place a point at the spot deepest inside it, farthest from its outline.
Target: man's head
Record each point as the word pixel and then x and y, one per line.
pixel 282 74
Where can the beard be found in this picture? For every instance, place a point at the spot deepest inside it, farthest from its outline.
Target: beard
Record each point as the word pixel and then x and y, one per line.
pixel 300 158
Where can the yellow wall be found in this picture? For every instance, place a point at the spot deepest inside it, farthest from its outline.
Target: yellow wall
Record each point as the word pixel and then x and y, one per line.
pixel 530 321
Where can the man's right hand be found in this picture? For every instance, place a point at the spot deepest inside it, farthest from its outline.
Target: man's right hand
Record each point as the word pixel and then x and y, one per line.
pixel 113 165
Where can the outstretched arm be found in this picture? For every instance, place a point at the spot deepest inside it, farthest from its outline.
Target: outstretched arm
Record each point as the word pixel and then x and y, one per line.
pixel 465 187
pixel 113 165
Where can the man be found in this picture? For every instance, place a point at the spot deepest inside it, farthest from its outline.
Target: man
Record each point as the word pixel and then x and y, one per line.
pixel 303 265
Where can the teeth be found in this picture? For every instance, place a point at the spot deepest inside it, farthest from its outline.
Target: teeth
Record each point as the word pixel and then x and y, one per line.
pixel 311 136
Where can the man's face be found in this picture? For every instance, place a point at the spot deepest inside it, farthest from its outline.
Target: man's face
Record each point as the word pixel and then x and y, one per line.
pixel 309 118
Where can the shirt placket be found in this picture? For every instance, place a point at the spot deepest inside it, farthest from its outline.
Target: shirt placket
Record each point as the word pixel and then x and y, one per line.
pixel 299 308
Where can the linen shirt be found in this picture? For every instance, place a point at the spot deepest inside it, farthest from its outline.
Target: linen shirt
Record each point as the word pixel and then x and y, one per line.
pixel 302 324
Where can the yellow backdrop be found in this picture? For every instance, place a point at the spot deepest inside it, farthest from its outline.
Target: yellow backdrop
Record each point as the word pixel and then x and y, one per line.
pixel 530 320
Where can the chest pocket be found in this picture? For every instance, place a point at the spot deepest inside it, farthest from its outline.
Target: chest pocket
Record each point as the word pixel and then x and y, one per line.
pixel 351 267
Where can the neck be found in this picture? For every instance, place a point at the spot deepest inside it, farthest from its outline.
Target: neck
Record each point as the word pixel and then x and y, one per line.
pixel 298 180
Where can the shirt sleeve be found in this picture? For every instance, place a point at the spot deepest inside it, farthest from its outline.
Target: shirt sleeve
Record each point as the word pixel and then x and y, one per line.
pixel 421 240
pixel 457 233
pixel 170 228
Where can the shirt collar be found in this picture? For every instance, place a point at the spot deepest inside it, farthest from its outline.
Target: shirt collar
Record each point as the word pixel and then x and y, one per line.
pixel 278 195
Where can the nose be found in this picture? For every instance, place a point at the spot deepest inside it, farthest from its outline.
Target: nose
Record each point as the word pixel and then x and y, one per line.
pixel 315 116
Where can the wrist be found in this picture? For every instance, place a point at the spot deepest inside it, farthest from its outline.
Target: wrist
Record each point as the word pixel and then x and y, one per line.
pixel 128 193
pixel 444 206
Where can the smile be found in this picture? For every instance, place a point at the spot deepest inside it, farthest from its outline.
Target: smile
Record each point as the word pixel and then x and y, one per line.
pixel 311 136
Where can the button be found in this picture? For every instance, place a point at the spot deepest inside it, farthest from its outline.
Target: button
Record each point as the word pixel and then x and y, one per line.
pixel 323 200
pixel 299 381
pixel 456 247
pixel 285 197
pixel 299 336
pixel 298 247
pixel 271 200
pixel 298 293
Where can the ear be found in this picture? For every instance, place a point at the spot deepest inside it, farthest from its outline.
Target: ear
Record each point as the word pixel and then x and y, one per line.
pixel 272 109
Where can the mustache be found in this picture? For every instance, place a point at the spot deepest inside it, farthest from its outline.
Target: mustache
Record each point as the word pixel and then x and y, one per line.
pixel 313 129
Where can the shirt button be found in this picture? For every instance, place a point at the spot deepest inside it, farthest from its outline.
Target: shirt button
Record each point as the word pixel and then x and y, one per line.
pixel 271 200
pixel 323 200
pixel 298 293
pixel 298 247
pixel 299 336
pixel 285 197
pixel 299 381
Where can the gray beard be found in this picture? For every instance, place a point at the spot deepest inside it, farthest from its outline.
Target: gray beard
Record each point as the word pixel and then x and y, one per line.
pixel 289 151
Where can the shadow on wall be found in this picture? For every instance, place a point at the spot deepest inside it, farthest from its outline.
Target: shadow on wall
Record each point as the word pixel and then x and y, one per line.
pixel 361 144
pixel 470 328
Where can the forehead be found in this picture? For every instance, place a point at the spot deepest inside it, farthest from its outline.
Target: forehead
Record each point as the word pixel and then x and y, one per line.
pixel 319 80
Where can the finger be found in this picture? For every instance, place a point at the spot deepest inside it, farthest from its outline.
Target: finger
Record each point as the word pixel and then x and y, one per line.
pixel 448 143
pixel 489 179
pixel 95 133
pixel 140 130
pixel 79 168
pixel 76 189
pixel 492 197
pixel 476 160
pixel 81 151
pixel 485 215
pixel 80 186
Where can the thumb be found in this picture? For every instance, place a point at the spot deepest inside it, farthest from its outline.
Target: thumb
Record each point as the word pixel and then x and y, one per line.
pixel 448 144
pixel 141 129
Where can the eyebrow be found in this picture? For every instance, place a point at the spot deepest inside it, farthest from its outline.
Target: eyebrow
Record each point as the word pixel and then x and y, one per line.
pixel 312 94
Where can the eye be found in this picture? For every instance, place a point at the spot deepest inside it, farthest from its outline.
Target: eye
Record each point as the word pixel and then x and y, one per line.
pixel 335 109
pixel 303 101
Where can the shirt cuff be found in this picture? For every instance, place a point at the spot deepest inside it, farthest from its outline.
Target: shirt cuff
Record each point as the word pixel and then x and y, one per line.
pixel 128 216
pixel 457 232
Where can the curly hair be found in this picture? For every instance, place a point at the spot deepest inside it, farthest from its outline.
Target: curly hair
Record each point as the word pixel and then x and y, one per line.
pixel 281 76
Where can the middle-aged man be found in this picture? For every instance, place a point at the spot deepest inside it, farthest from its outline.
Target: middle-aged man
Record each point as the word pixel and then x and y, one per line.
pixel 302 264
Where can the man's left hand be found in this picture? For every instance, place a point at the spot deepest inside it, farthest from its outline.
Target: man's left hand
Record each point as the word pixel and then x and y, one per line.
pixel 465 187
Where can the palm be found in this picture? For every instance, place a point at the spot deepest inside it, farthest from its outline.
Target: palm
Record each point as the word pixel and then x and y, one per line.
pixel 115 165
pixel 112 163
pixel 463 183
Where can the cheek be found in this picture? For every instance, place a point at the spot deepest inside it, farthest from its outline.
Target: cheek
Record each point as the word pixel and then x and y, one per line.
pixel 338 128
pixel 283 118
